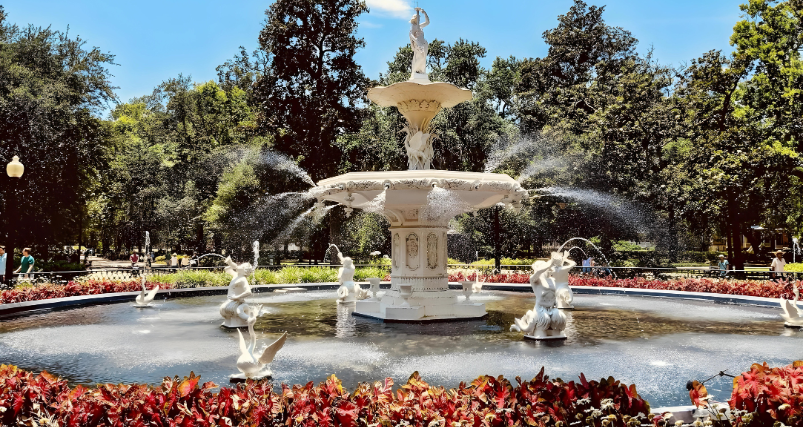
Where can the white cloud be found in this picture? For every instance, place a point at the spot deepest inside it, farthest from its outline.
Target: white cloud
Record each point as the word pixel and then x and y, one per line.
pixel 396 8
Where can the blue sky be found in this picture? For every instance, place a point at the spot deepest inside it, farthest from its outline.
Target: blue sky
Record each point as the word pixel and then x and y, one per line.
pixel 155 40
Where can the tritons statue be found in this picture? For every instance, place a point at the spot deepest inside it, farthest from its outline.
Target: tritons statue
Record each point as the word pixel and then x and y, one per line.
pixel 545 321
pixel 235 310
pixel 349 291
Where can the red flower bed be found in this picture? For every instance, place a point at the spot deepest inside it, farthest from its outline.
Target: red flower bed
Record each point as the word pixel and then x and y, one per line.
pixel 92 287
pixel 486 401
pixel 731 287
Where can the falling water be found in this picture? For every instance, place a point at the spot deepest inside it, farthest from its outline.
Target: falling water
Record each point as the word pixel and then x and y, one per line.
pixel 289 229
pixel 283 163
pixel 377 205
pixel 590 243
pixel 442 204
pixel 585 255
pixel 255 248
pixel 316 214
pixel 547 145
pixel 326 255
pixel 631 212
pixel 541 166
pixel 795 248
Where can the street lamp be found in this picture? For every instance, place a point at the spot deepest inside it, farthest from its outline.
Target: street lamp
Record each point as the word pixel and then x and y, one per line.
pixel 14 169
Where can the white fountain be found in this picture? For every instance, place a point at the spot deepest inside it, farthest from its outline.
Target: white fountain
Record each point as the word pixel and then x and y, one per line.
pixel 419 202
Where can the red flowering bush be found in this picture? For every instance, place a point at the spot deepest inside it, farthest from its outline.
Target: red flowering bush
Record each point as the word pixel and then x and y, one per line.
pixel 751 288
pixel 769 395
pixel 26 399
pixel 762 396
pixel 91 287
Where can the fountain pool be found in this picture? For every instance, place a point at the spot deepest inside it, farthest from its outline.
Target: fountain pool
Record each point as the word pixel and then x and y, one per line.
pixel 658 344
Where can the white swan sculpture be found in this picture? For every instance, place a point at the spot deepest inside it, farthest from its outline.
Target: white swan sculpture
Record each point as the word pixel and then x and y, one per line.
pixel 250 364
pixel 792 314
pixel 144 299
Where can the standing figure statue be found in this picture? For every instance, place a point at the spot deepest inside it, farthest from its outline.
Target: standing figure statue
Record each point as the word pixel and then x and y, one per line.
pixel 349 291
pixel 235 310
pixel 419 44
pixel 545 321
pixel 561 278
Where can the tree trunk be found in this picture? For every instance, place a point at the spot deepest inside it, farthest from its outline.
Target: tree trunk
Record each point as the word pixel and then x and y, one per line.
pixel 736 229
pixel 497 250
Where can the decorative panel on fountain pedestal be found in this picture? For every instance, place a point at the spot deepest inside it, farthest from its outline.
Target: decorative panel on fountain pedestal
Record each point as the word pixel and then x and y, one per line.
pixel 419 258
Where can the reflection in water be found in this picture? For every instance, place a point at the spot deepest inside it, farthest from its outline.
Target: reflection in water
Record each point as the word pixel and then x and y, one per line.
pixel 655 343
pixel 346 323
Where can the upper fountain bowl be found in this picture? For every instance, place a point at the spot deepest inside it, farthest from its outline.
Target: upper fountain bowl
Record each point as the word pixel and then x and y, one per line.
pixel 407 191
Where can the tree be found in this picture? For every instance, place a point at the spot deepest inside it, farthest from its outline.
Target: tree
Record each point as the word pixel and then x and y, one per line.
pixel 314 89
pixel 51 89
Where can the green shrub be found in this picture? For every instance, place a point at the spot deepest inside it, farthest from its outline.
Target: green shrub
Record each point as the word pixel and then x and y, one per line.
pixel 318 275
pixel 794 267
pixel 193 278
pixel 363 273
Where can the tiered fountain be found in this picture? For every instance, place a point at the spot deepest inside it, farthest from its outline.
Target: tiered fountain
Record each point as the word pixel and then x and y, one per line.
pixel 419 202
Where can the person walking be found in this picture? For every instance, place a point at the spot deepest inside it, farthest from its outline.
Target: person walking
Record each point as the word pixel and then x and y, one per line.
pixel 3 258
pixel 26 263
pixel 723 266
pixel 586 265
pixel 777 266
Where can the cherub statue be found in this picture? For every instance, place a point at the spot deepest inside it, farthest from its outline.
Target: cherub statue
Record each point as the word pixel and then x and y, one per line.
pixel 560 276
pixel 348 292
pixel 544 321
pixel 235 310
pixel 419 44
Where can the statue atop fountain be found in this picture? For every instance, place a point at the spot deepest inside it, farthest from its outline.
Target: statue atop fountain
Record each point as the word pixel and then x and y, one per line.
pixel 419 45
pixel 235 310
pixel 545 321
pixel 349 291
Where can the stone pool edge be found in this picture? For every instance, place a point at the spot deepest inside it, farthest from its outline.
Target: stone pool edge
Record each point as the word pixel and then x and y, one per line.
pixel 115 297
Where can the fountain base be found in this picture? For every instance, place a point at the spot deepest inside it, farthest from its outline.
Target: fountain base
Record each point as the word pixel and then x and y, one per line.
pixel 234 323
pixel 421 306
pixel 561 336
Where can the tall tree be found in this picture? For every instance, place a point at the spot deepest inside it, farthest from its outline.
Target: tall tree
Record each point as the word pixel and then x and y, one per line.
pixel 51 89
pixel 315 88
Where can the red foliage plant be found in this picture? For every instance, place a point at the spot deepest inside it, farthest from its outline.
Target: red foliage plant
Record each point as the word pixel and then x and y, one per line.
pixel 769 395
pixel 26 398
pixel 91 287
pixel 752 288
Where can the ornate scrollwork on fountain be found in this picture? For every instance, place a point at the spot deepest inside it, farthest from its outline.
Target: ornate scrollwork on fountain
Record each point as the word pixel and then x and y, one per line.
pixel 397 254
pixel 432 251
pixel 412 251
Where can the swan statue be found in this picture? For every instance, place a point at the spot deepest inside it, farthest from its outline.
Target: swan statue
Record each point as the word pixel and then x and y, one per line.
pixel 254 364
pixel 792 314
pixel 144 299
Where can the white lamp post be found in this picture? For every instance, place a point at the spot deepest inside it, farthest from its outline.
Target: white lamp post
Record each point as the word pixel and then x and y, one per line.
pixel 14 169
